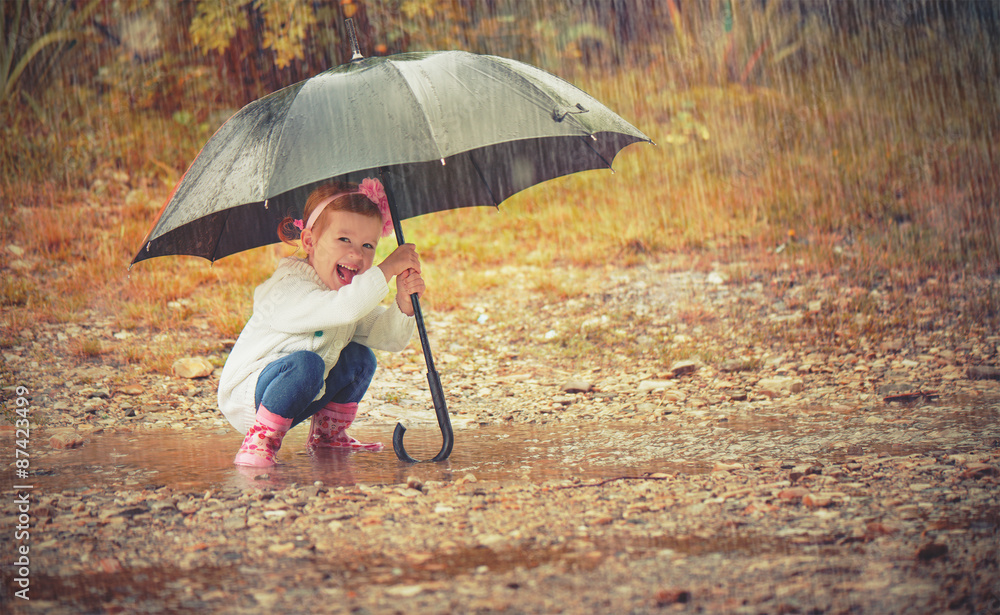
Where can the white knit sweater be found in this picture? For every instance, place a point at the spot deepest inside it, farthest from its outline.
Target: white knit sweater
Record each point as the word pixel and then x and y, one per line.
pixel 294 310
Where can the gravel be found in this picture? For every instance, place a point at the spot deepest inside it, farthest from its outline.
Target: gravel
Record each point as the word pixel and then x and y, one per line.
pixel 803 445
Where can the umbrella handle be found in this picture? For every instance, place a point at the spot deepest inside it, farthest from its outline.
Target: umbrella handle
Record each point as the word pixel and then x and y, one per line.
pixel 437 396
pixel 437 393
pixel 440 408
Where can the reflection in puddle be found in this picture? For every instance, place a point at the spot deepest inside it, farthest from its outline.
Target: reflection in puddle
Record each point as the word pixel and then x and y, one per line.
pixel 201 461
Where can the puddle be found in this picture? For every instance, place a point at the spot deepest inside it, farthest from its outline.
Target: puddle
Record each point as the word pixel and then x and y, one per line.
pixel 201 461
pixel 192 461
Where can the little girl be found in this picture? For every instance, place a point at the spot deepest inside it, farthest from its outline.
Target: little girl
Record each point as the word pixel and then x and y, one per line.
pixel 305 351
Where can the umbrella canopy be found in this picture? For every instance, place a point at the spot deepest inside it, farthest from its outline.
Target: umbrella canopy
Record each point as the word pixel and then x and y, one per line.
pixel 452 129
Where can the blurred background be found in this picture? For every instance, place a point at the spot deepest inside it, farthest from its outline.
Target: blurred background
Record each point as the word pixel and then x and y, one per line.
pixel 828 135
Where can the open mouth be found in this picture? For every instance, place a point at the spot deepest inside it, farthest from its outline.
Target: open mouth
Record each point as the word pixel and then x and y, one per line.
pixel 345 274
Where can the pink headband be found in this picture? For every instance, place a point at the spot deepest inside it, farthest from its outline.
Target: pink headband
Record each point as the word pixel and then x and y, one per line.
pixel 371 188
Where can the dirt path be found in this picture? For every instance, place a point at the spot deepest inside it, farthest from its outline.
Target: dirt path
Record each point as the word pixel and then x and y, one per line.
pixel 712 441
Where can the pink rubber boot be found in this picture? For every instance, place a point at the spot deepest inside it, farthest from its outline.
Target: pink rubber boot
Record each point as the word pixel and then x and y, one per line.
pixel 263 440
pixel 329 429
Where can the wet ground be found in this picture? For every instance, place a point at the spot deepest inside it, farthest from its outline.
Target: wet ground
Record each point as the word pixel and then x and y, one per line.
pixel 771 473
pixel 826 513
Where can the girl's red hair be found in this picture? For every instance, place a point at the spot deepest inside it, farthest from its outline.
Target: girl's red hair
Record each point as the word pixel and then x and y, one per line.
pixel 354 203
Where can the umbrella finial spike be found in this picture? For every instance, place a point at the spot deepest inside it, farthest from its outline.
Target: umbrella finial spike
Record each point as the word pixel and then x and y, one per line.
pixel 353 35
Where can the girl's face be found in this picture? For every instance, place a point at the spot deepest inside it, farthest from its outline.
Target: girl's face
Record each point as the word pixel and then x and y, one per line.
pixel 344 248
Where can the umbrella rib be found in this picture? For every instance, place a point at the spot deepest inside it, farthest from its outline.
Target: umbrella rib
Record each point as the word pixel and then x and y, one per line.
pixel 482 177
pixel 542 92
pixel 599 154
pixel 428 125
pixel 218 240
pixel 275 151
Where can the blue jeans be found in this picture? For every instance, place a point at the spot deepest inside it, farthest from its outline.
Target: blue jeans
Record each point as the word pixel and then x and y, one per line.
pixel 288 386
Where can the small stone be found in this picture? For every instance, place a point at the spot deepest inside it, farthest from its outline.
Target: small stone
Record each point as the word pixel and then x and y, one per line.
pixel 932 550
pixel 816 501
pixel 234 522
pixel 727 467
pixel 877 528
pixel 665 597
pixel 793 493
pixel 772 387
pixel 681 368
pixel 282 548
pixel 979 470
pixel 893 388
pixel 734 365
pixel 577 386
pixel 66 439
pixel 192 367
pixel 491 540
pixel 653 385
pixel 131 389
pixel 109 565
pixel 96 393
pixel 405 591
pixel 265 600
pixel 983 372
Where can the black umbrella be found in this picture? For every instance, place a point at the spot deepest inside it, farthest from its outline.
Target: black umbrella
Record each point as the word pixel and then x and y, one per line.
pixel 442 130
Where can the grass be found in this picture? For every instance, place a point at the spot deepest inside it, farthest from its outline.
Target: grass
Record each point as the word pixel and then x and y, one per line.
pixel 862 161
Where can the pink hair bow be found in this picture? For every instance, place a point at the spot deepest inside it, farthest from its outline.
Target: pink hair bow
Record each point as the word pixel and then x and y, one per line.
pixel 373 189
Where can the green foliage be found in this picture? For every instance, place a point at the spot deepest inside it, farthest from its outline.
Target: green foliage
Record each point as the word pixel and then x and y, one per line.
pixel 38 31
pixel 743 41
pixel 286 25
pixel 216 24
